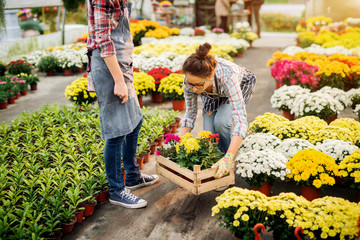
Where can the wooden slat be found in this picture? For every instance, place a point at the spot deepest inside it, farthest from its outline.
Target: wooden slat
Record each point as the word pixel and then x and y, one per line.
pixel 207 173
pixel 175 179
pixel 212 185
pixel 197 169
pixel 10 4
pixel 174 166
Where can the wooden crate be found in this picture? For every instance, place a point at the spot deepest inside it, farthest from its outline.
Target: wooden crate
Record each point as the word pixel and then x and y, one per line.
pixel 197 181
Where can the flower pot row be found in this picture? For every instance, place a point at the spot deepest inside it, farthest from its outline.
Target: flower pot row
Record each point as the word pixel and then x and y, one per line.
pixel 290 116
pixel 87 211
pixel 66 72
pixel 177 105
pixel 12 100
pixel 309 193
pixel 145 156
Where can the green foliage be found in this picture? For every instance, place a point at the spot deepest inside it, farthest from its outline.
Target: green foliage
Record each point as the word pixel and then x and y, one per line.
pixel 245 229
pixel 2 68
pixel 72 5
pixel 280 228
pixel 18 67
pixel 2 15
pixel 77 17
pixel 30 79
pixel 3 96
pixel 31 24
pixel 334 81
pixel 51 160
pixel 48 63
pixel 279 22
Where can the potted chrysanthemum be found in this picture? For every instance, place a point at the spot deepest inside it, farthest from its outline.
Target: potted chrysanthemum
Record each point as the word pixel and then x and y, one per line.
pixel 283 98
pixel 337 94
pixel 171 88
pixel 294 72
pixel 331 132
pixel 263 123
pixel 158 74
pixel 313 170
pixel 337 149
pixel 289 147
pixel 291 129
pixel 144 84
pixel 261 168
pixel 317 104
pixel 77 92
pixel 259 141
pixel 349 170
pixel 239 218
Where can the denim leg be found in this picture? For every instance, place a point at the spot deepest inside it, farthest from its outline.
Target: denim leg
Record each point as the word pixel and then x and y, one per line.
pixel 112 155
pixel 129 155
pixel 208 121
pixel 223 126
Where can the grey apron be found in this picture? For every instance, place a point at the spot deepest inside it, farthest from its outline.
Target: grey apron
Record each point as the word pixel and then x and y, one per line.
pixel 116 119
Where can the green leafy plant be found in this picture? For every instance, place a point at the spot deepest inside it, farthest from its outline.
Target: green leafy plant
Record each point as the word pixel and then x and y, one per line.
pixel 31 24
pixel 19 66
pixel 48 63
pixel 3 96
pixel 2 68
pixel 2 15
pixel 30 79
pixel 89 188
pixel 67 214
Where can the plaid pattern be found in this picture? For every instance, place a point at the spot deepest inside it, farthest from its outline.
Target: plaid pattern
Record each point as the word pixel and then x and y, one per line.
pixel 236 87
pixel 103 16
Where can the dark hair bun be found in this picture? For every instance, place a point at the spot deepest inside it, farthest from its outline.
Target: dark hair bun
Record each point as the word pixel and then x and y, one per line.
pixel 203 50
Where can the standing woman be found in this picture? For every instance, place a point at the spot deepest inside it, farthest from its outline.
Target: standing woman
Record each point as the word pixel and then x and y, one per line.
pixel 225 88
pixel 110 71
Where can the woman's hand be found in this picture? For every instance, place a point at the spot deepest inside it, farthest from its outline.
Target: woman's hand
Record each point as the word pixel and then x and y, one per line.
pixel 223 165
pixel 121 90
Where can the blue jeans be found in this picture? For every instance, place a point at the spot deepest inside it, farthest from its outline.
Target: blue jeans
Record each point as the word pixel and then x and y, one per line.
pixel 121 149
pixel 220 122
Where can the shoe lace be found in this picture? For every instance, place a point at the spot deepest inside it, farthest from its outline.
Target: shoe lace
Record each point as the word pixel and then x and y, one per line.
pixel 128 195
pixel 146 177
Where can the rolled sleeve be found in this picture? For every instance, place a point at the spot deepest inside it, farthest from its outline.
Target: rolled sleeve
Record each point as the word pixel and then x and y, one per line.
pixel 191 107
pixel 102 27
pixel 232 87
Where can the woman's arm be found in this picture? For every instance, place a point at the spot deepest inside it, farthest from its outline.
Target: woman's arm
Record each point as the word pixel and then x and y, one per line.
pixel 234 144
pixel 190 110
pixel 231 85
pixel 102 27
pixel 120 88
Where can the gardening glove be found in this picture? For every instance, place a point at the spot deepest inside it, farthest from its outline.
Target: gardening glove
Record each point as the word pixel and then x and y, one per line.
pixel 223 165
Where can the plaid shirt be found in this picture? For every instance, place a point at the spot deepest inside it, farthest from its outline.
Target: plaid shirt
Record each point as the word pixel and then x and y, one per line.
pixel 231 82
pixel 103 16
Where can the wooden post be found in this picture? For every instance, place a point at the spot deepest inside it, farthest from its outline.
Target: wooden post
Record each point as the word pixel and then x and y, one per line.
pixel 197 169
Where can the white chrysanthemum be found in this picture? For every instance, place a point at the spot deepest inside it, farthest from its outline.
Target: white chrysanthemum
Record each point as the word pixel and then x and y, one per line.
pixel 283 98
pixel 261 162
pixel 315 103
pixel 338 94
pixel 289 147
pixel 187 32
pixel 259 141
pixel 337 149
